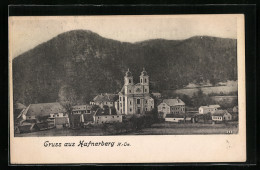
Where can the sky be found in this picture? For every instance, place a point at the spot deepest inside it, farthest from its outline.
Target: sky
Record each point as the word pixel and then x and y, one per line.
pixel 27 32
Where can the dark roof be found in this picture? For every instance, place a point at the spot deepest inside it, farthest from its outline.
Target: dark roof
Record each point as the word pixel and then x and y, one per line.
pixel 173 102
pixel 230 109
pixel 220 113
pixel 107 97
pixel 44 109
pixel 175 116
pixel 210 106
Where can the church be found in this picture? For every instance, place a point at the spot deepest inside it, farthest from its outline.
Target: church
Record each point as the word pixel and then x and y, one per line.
pixel 135 98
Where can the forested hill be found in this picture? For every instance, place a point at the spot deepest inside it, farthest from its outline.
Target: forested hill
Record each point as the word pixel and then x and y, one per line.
pixel 91 64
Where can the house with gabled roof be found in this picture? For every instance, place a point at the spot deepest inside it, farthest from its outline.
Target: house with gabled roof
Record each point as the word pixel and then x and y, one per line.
pixel 171 106
pixel 101 117
pixel 208 109
pixel 18 109
pixel 235 109
pixel 82 118
pixel 106 99
pixel 42 110
pixel 85 109
pixel 221 115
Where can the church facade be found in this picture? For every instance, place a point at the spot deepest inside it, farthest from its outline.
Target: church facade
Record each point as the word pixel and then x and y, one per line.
pixel 135 98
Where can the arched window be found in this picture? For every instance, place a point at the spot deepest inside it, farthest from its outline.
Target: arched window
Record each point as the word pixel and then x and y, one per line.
pixel 129 80
pixel 145 80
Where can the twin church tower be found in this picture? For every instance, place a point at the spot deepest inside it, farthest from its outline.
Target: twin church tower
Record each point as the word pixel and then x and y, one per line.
pixel 135 98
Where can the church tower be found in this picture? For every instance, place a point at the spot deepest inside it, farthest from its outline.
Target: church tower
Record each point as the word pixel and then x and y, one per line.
pixel 144 81
pixel 128 78
pixel 129 83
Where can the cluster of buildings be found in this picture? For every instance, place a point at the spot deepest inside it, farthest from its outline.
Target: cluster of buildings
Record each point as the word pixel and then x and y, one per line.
pixel 174 111
pixel 133 99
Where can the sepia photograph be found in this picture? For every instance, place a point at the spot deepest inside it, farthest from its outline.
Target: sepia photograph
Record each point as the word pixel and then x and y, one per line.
pixel 120 76
pixel 78 78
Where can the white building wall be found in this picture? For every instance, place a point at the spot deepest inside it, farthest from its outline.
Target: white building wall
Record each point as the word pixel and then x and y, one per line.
pixel 173 119
pixel 217 118
pixel 108 119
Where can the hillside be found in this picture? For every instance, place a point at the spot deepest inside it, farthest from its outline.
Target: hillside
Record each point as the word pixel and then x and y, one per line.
pixel 91 64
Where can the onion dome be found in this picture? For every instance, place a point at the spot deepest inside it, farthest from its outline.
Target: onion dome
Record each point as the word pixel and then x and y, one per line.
pixel 128 73
pixel 143 73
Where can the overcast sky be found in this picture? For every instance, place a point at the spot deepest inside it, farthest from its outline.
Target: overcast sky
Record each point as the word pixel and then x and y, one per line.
pixel 27 32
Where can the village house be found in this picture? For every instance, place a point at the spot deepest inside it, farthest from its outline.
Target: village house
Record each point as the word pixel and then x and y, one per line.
pixel 58 120
pixel 18 109
pixel 171 106
pixel 43 110
pixel 106 99
pixel 221 115
pixel 174 117
pixel 235 109
pixel 134 98
pixel 82 120
pixel 82 109
pixel 39 113
pixel 101 117
pixel 208 109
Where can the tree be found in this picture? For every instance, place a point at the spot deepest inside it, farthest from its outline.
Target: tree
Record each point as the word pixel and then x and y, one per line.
pixel 104 128
pixel 106 110
pixel 160 115
pixel 68 98
pixel 187 100
pixel 95 107
pixel 118 127
pixel 201 99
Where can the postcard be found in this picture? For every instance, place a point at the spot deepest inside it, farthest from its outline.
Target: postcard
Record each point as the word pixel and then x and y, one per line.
pixel 127 89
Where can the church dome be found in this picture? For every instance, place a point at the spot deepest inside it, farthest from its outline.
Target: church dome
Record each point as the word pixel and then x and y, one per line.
pixel 128 73
pixel 143 73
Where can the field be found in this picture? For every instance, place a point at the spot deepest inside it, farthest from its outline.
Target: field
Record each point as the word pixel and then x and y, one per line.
pixel 64 132
pixel 231 86
pixel 165 128
pixel 169 128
